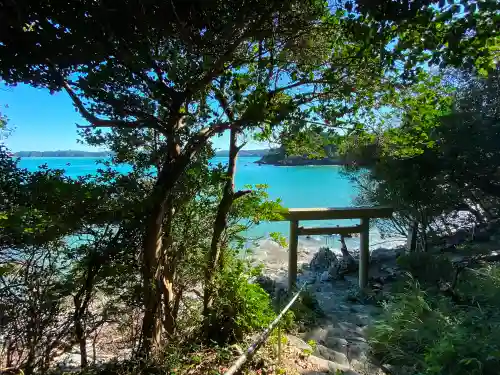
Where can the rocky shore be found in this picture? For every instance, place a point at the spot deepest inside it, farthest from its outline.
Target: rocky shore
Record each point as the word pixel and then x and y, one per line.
pixel 333 281
pixel 340 341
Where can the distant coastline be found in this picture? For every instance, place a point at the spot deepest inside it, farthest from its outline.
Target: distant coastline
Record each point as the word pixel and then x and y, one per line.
pixel 245 153
pixel 266 156
pixel 62 154
pixel 100 154
pixel 301 161
pixel 278 157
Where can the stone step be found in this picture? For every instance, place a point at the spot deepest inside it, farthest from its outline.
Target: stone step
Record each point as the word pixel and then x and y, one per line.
pixel 324 366
pixel 331 355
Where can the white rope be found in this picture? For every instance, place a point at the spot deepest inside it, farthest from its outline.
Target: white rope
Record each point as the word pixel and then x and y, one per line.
pixel 262 338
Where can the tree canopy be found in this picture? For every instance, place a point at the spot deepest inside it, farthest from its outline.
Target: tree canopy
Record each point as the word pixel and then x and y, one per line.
pixel 156 81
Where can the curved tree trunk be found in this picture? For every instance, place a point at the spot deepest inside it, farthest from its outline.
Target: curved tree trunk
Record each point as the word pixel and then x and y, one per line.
pixel 82 343
pixel 220 224
pixel 156 281
pixel 157 273
pixel 79 311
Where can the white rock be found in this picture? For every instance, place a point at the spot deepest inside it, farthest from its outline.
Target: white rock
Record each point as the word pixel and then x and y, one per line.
pixel 331 355
pixel 298 343
pixel 329 366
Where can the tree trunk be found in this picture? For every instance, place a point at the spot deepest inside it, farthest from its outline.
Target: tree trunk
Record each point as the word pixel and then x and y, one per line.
pixel 157 275
pixel 94 350
pixel 349 263
pixel 177 303
pixel 32 341
pixel 10 348
pixel 220 224
pixel 343 248
pixel 81 309
pixel 82 342
pixel 81 303
pixel 158 279
pixel 168 302
pixel 151 323
pixel 29 366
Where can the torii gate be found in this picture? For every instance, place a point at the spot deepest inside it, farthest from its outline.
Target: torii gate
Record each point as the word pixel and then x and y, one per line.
pixel 294 215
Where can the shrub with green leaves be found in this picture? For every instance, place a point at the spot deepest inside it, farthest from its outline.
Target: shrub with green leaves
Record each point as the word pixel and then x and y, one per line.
pixel 306 309
pixel 241 306
pixel 429 269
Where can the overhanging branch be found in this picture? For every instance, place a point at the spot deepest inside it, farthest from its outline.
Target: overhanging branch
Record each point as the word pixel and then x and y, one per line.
pixel 96 122
pixel 240 193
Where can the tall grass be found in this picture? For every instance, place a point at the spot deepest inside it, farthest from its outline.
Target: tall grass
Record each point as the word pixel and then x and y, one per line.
pixel 423 331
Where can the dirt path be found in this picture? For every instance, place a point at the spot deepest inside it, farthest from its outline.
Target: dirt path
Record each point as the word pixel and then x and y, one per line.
pixel 339 338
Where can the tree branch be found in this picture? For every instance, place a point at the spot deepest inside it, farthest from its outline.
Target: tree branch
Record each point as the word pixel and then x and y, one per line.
pixel 296 84
pixel 218 66
pixel 224 104
pixel 94 120
pixel 240 193
pixel 238 148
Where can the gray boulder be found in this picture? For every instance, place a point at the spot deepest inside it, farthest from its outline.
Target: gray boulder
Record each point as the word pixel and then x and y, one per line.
pixel 331 355
pixel 342 267
pixel 299 343
pixel 325 276
pixel 482 236
pixel 268 284
pixel 336 271
pixel 493 225
pixel 460 236
pixel 382 255
pixel 323 260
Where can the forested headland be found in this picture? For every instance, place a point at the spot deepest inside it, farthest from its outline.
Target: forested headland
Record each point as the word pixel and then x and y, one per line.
pixel 144 269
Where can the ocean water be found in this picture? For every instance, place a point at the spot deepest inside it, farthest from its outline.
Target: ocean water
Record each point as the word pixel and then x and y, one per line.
pixel 297 187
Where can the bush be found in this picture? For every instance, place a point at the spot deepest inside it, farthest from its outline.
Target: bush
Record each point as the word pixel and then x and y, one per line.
pixel 429 269
pixel 428 333
pixel 241 306
pixel 305 310
pixel 177 358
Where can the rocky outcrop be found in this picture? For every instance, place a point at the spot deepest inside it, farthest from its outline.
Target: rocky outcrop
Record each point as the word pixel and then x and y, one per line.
pixel 340 342
pixel 266 283
pixel 323 260
pixel 298 343
pixel 344 266
pixel 279 157
pixel 382 255
pixel 332 267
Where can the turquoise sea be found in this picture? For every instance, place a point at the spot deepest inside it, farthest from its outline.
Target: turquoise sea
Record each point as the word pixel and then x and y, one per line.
pixel 297 187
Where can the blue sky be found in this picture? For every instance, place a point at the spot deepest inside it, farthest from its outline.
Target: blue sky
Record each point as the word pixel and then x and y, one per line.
pixel 41 121
pixel 44 122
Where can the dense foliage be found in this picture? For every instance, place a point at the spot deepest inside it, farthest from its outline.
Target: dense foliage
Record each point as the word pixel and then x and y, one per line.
pixel 429 332
pixel 443 161
pixel 431 156
pixel 153 255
